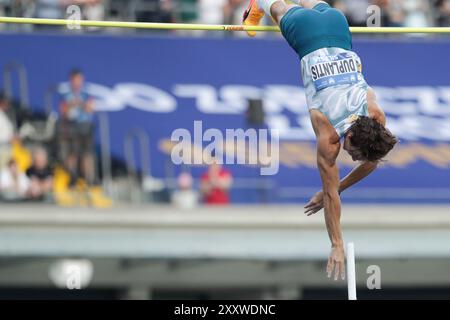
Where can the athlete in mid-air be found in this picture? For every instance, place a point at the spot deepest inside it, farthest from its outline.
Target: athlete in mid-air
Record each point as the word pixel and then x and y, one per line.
pixel 340 102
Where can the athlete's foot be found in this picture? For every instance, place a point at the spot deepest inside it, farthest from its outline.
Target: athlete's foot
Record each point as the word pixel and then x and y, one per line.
pixel 252 16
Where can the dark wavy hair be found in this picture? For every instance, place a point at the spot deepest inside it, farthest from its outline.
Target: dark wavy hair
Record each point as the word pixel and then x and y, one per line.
pixel 371 138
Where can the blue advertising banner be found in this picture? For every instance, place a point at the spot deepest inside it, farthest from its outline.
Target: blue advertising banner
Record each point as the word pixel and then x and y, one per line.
pixel 161 84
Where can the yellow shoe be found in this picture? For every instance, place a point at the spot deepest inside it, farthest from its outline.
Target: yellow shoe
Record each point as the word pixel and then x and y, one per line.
pixel 98 198
pixel 65 199
pixel 252 16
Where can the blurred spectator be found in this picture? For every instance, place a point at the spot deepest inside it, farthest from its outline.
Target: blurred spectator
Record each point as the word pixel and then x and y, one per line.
pixel 215 184
pixel 187 11
pixel 185 197
pixel 233 10
pixel 417 13
pixel 154 10
pixel 3 5
pixel 442 13
pixel 40 175
pixel 17 8
pixel 396 14
pixel 76 130
pixel 6 129
pixel 389 13
pixel 355 10
pixel 14 184
pixel 6 123
pixel 51 9
pixel 56 9
pixel 211 12
pixel 91 9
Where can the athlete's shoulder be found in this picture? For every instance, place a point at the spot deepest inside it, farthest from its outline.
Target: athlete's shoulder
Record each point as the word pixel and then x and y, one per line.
pixel 323 127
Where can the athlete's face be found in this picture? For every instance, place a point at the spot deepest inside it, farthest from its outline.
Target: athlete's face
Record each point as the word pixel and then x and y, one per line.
pixel 354 152
pixel 76 82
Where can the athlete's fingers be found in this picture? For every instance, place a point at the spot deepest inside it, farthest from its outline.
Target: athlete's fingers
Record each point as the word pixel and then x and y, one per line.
pixel 312 205
pixel 309 204
pixel 343 270
pixel 314 210
pixel 330 267
pixel 318 209
pixel 311 210
pixel 308 209
pixel 336 270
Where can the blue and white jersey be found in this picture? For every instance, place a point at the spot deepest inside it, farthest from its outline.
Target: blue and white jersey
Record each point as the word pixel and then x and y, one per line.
pixel 77 113
pixel 335 86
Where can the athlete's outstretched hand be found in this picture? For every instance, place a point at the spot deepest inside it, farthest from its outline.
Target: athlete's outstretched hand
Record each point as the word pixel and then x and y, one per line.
pixel 336 263
pixel 315 204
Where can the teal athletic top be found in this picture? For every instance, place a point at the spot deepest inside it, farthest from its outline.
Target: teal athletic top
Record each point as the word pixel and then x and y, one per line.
pixel 331 72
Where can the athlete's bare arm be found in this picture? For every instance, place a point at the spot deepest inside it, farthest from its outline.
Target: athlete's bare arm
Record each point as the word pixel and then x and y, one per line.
pixel 360 171
pixel 328 147
pixel 375 111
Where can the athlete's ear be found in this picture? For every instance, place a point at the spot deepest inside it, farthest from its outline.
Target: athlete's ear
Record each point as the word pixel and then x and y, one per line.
pixel 348 136
pixel 347 142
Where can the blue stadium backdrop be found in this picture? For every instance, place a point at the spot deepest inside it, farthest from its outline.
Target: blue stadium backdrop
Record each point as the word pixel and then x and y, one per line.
pixel 164 83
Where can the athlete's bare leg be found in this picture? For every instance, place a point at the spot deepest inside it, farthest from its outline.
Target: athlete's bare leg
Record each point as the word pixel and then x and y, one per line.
pixel 280 8
pixel 309 4
pixel 274 8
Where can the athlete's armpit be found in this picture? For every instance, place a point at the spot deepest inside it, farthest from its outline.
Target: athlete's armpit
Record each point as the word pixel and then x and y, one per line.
pixel 375 110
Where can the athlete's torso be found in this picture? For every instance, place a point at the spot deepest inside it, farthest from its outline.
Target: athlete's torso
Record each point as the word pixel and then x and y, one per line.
pixel 335 86
pixel 331 72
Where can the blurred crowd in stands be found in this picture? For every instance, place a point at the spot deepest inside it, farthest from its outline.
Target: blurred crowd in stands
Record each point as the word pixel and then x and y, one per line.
pixel 215 184
pixel 408 13
pixel 49 157
pixel 42 158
